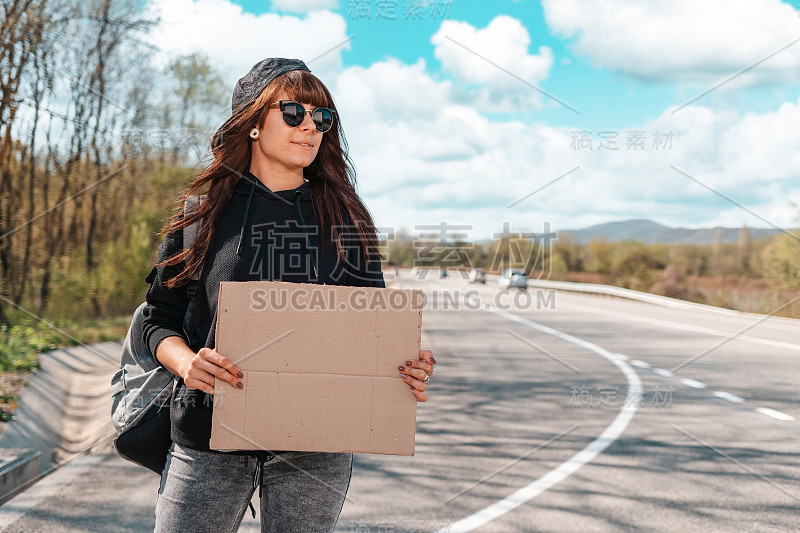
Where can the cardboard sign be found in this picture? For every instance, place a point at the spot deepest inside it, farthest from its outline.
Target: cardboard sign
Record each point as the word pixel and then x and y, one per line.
pixel 320 367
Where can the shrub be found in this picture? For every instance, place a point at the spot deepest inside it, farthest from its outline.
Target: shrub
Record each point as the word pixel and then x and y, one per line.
pixel 781 261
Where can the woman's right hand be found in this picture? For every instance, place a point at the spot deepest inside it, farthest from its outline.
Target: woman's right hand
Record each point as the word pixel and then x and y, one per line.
pixel 200 371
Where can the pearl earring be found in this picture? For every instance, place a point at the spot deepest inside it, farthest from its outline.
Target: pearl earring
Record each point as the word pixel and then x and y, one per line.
pixel 254 133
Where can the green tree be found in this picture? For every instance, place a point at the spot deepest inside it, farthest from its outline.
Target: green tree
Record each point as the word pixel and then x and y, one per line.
pixel 636 265
pixel 570 253
pixel 598 256
pixel 781 261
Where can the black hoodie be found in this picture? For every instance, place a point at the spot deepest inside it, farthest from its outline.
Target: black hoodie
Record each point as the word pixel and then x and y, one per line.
pixel 263 235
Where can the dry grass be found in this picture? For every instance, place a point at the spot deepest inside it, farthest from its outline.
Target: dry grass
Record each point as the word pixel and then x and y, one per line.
pixel 749 295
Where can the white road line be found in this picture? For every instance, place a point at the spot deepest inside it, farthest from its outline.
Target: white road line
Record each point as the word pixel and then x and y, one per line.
pixel 565 469
pixel 662 372
pixel 685 327
pixel 640 364
pixel 770 324
pixel 777 415
pixel 728 396
pixel 692 383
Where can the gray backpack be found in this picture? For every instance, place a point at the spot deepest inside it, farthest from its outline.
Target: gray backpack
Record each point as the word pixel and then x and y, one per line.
pixel 141 389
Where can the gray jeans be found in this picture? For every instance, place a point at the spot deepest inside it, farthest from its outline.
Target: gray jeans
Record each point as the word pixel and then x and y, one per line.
pixel 210 491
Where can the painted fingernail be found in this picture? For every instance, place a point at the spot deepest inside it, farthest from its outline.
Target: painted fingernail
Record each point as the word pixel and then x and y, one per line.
pixel 433 360
pixel 408 363
pixel 401 368
pixel 239 384
pixel 403 376
pixel 239 374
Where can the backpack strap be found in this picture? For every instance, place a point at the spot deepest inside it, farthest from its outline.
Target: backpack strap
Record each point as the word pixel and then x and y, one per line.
pixel 190 232
pixel 189 236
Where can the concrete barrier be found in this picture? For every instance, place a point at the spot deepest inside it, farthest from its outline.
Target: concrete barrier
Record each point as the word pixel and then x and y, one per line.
pixel 19 468
pixel 65 408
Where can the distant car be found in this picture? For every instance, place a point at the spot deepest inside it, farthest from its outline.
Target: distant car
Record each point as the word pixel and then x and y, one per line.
pixel 513 278
pixel 477 275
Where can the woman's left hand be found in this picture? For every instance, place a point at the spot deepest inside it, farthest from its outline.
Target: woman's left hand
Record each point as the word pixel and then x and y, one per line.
pixel 415 372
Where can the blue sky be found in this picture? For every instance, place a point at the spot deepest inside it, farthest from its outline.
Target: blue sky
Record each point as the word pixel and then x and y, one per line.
pixel 409 94
pixel 605 100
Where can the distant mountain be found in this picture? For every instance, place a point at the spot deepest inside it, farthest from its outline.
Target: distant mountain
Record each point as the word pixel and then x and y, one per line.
pixel 652 232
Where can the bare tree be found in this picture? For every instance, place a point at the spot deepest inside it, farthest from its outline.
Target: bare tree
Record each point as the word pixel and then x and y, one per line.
pixel 22 29
pixel 97 57
pixel 745 249
pixel 66 62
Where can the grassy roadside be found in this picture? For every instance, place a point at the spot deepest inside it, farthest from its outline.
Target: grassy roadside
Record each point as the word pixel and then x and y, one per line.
pixel 21 344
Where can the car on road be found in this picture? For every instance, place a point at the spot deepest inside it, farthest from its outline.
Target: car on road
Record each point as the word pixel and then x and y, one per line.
pixel 477 275
pixel 513 278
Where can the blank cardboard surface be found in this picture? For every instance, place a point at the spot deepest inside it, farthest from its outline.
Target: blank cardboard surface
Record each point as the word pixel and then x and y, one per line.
pixel 320 367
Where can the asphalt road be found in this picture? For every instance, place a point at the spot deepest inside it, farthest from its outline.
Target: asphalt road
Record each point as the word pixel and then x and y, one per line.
pixel 554 412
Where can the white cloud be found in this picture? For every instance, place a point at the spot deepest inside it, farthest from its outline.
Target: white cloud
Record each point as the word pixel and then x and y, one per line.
pixel 427 154
pixel 424 158
pixel 717 153
pixel 301 6
pixel 695 41
pixel 505 42
pixel 235 41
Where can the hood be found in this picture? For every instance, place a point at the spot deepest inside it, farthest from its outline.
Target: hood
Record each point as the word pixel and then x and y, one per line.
pixel 248 181
pixel 249 185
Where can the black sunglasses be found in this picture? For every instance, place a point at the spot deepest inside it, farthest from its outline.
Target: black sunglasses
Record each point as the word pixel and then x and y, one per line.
pixel 294 114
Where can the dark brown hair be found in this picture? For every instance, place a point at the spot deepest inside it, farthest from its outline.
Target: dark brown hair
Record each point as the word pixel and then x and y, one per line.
pixel 331 176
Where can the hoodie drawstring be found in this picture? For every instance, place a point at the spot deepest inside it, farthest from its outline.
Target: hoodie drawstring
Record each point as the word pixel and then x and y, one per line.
pixel 298 195
pixel 244 218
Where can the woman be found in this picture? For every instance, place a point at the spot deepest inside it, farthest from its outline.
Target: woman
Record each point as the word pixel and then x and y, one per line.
pixel 280 188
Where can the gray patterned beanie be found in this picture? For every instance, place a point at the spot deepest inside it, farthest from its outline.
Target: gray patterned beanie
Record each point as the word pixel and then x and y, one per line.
pixel 262 74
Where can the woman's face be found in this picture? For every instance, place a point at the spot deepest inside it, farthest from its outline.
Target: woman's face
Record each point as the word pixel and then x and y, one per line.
pixel 283 144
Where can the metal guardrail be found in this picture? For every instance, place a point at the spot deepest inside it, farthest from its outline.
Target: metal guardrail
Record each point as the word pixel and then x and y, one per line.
pixel 610 290
pixel 593 288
